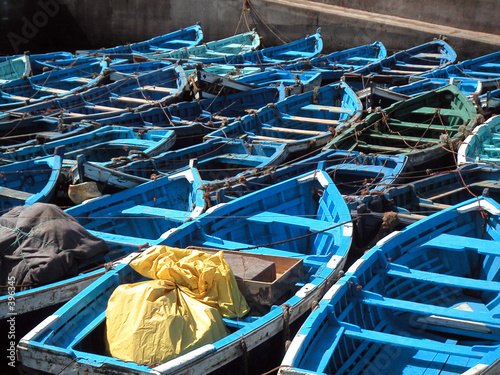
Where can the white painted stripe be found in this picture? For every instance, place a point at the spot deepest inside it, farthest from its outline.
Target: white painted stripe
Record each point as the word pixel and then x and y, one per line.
pixel 480 203
pixel 293 350
pixel 182 361
pixel 39 328
pixel 305 290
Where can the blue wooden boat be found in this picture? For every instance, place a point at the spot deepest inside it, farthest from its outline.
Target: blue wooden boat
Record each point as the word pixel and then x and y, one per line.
pixel 424 300
pixel 217 159
pixel 397 68
pixel 36 129
pixel 420 85
pixel 362 180
pixel 208 113
pixel 442 190
pixel 101 145
pixel 333 65
pixel 485 69
pixel 355 175
pixel 381 97
pixel 303 122
pixel 315 239
pixel 159 87
pixel 190 120
pixel 490 102
pixel 210 85
pixel 304 48
pixel 30 181
pixel 43 63
pixel 217 49
pixel 185 37
pixel 424 128
pixel 52 84
pixel 62 83
pixel 146 211
pixel 483 145
pixel 407 202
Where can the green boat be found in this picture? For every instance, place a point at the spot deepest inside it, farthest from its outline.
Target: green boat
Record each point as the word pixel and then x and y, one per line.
pixel 423 128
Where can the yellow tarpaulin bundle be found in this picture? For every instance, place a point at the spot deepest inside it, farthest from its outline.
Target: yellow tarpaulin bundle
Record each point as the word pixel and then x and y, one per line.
pixel 179 310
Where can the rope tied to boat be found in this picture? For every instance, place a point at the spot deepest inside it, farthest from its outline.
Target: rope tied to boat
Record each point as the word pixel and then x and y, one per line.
pixel 244 354
pixel 286 308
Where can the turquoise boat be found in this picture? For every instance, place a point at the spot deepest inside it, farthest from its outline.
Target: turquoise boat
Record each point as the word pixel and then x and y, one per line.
pixel 422 300
pixel 204 53
pixel 306 235
pixel 483 145
pixel 14 68
pixel 301 49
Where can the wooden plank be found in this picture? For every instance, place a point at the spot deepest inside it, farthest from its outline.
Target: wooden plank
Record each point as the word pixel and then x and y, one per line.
pixel 372 148
pixel 404 72
pixel 101 108
pixel 293 131
pixel 82 79
pixel 432 110
pixel 14 194
pixel 377 300
pixel 317 107
pixel 133 100
pixel 19 98
pixel 479 184
pixel 166 90
pixel 427 55
pixel 145 211
pixel 304 222
pixel 249 160
pixel 398 137
pixel 418 125
pixel 53 90
pixel 416 66
pixel 411 343
pixel 459 243
pixel 280 140
pixel 436 206
pixel 311 120
pixel 400 271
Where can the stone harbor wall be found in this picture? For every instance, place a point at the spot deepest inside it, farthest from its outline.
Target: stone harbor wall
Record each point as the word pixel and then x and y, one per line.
pixel 399 24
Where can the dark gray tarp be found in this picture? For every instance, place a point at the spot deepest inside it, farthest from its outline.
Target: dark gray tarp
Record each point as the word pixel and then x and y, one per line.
pixel 40 244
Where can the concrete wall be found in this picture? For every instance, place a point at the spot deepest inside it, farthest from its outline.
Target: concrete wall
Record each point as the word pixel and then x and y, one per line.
pixel 79 24
pixel 478 15
pixel 346 27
